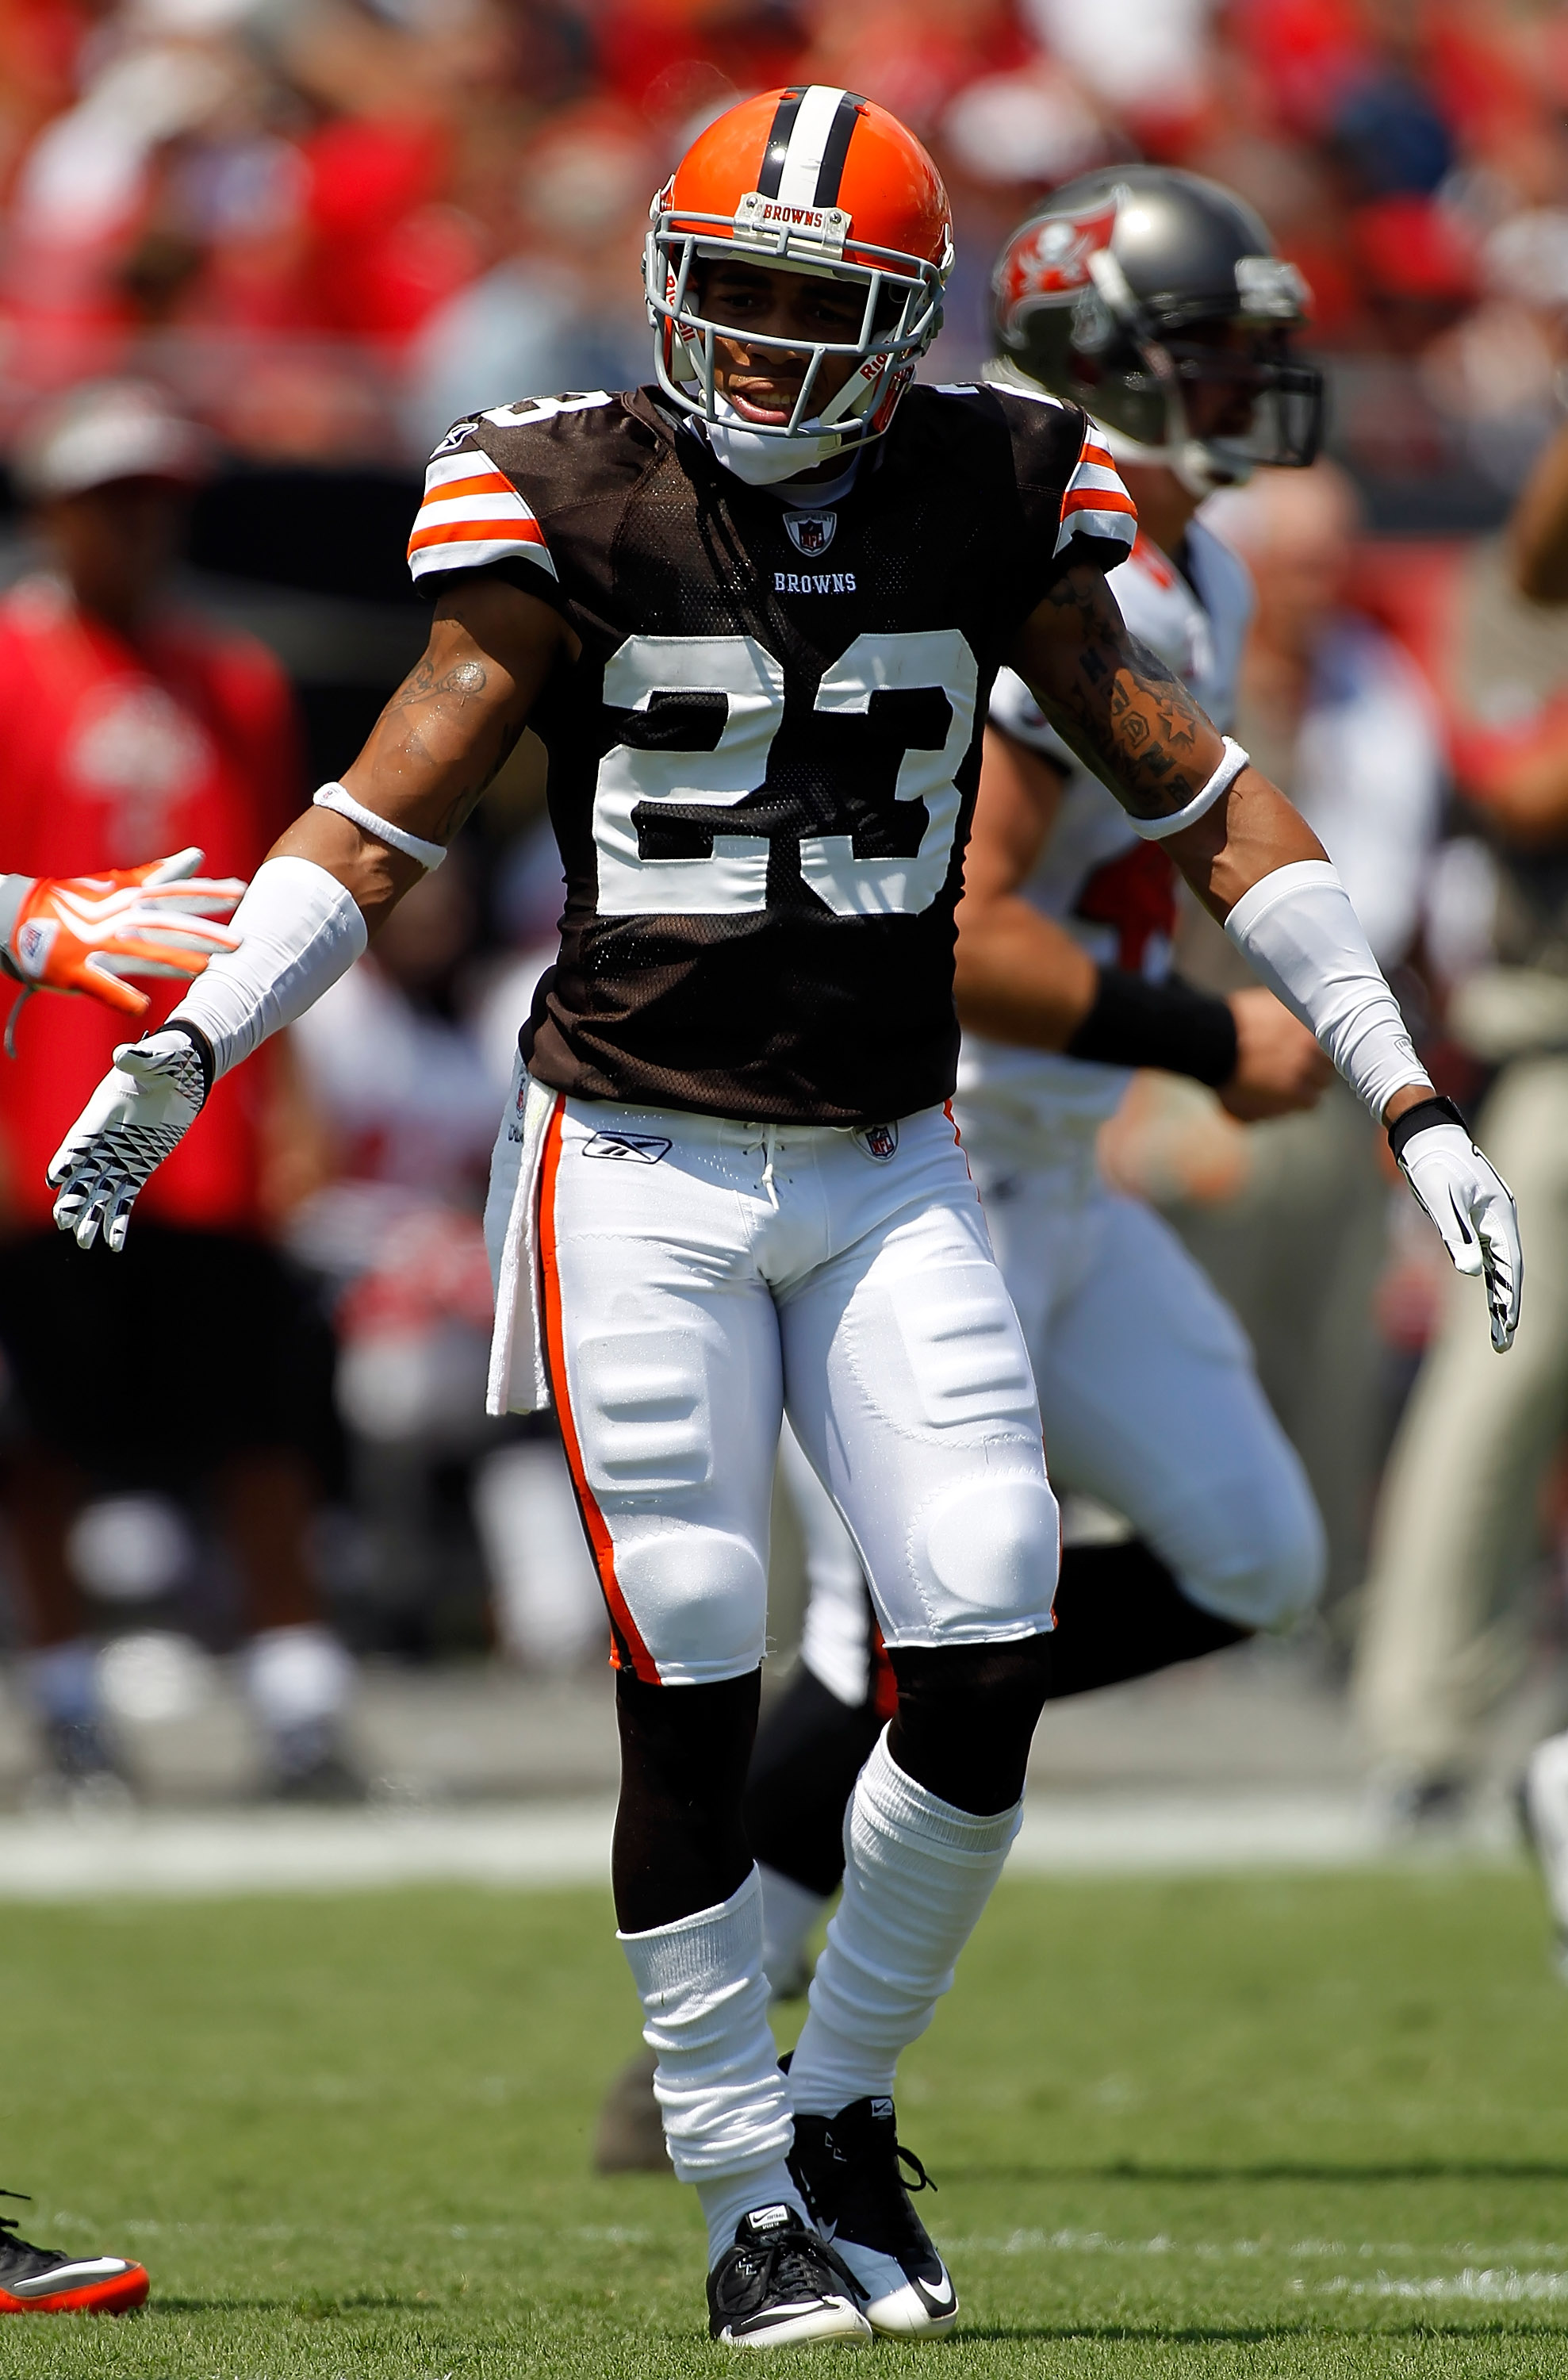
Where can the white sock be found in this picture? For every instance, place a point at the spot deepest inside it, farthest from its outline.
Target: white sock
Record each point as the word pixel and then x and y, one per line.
pixel 296 1677
pixel 788 1912
pixel 62 1681
pixel 917 1875
pixel 1546 1789
pixel 725 2103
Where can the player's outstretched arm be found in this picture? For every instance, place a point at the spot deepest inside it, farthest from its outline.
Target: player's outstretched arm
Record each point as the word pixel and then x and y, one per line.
pixel 1256 865
pixel 323 888
pixel 1022 977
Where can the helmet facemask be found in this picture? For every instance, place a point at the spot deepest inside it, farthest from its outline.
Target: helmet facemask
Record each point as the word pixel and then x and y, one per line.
pixel 1213 392
pixel 900 315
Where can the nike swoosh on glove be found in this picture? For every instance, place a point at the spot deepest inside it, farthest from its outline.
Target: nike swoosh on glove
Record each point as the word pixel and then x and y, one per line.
pixel 140 1110
pixel 1475 1218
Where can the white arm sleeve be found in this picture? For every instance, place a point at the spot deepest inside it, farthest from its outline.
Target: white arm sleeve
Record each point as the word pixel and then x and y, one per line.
pixel 1304 939
pixel 300 929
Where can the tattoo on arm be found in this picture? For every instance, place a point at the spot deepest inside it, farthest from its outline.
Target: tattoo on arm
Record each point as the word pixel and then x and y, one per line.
pixel 466 681
pixel 422 716
pixel 1126 715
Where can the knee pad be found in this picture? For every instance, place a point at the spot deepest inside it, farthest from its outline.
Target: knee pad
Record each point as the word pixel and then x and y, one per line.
pixel 699 1596
pixel 984 1552
pixel 966 1717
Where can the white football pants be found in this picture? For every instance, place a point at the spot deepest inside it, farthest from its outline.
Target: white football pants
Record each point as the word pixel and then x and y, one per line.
pixel 1150 1404
pixel 700 1278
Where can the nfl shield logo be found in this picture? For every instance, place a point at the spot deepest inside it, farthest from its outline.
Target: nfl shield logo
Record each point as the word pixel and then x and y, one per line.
pixel 880 1142
pixel 811 533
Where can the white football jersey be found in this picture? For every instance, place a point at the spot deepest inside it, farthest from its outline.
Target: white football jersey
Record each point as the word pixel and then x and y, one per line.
pixel 1114 893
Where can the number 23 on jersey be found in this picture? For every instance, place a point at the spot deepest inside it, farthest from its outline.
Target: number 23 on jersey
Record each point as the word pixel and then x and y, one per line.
pixel 703 715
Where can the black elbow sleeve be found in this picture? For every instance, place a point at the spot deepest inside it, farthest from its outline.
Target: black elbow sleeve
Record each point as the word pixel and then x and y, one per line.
pixel 1135 1023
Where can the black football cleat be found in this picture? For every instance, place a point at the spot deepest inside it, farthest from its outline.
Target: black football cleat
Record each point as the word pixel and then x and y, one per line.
pixel 780 2286
pixel 846 2167
pixel 41 2280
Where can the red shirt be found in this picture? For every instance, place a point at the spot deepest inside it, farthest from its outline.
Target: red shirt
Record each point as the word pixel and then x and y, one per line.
pixel 114 754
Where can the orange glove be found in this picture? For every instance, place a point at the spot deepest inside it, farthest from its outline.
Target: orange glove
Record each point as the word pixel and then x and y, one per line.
pixel 84 933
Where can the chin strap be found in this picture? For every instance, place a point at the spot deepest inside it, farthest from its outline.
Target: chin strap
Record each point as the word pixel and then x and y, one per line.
pixel 764 462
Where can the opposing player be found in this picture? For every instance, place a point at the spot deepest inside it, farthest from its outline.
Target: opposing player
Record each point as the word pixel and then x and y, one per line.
pixel 1149 1401
pixel 755 613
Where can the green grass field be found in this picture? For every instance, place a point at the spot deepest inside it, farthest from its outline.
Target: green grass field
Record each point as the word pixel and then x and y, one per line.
pixel 1315 2127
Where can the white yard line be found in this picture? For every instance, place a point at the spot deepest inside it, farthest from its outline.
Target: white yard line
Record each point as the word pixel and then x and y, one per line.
pixel 161 1854
pixel 1193 1833
pixel 181 1854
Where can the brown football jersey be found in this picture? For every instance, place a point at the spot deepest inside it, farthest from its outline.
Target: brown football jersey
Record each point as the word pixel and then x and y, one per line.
pixel 763 766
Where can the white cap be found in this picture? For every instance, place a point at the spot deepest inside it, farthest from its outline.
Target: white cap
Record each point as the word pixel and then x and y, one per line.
pixel 107 430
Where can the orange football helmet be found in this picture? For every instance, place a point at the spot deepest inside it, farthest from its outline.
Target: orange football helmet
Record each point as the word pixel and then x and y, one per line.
pixel 816 180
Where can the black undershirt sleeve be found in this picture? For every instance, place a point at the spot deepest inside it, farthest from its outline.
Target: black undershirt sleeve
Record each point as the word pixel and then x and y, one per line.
pixel 1136 1023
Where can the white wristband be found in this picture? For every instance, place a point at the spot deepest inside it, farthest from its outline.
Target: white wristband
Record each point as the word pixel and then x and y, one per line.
pixel 1305 940
pixel 413 847
pixel 1155 829
pixel 300 929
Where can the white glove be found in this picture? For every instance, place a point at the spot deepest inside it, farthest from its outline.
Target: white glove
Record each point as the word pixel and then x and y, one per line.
pixel 140 1111
pixel 1475 1218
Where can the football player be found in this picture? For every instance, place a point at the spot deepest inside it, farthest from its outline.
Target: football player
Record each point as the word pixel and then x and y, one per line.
pixel 756 611
pixel 1147 1390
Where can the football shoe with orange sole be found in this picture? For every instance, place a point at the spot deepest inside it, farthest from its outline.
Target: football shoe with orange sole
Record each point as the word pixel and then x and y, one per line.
pixel 42 2280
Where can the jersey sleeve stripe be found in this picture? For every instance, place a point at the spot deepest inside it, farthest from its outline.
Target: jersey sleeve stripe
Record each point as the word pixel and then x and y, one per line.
pixel 472 517
pixel 479 526
pixel 1113 499
pixel 474 549
pixel 1095 503
pixel 472 483
pixel 452 512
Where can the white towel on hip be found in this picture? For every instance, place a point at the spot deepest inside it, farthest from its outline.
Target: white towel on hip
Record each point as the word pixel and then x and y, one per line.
pixel 518 1379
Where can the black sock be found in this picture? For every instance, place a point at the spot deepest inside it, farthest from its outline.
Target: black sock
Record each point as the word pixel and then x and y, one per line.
pixel 680 1838
pixel 1120 1614
pixel 966 1717
pixel 810 1749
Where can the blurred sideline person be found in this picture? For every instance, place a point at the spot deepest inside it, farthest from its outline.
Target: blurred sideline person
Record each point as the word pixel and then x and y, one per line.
pixel 727 1183
pixel 89 935
pixel 1460 1522
pixel 128 728
pixel 1148 1396
pixel 1339 716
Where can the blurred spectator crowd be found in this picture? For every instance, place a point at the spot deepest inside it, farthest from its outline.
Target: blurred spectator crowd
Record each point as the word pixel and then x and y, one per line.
pixel 326 228
pixel 331 226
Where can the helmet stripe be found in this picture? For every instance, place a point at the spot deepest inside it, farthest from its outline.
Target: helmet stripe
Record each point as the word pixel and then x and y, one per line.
pixel 778 147
pixel 830 173
pixel 808 144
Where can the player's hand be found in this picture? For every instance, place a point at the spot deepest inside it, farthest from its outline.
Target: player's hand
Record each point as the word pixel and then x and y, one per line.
pixel 140 1110
pixel 86 933
pixel 1279 1068
pixel 1473 1209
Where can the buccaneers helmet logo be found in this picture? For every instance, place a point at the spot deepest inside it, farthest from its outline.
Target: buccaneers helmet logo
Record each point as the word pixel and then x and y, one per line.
pixel 1050 260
